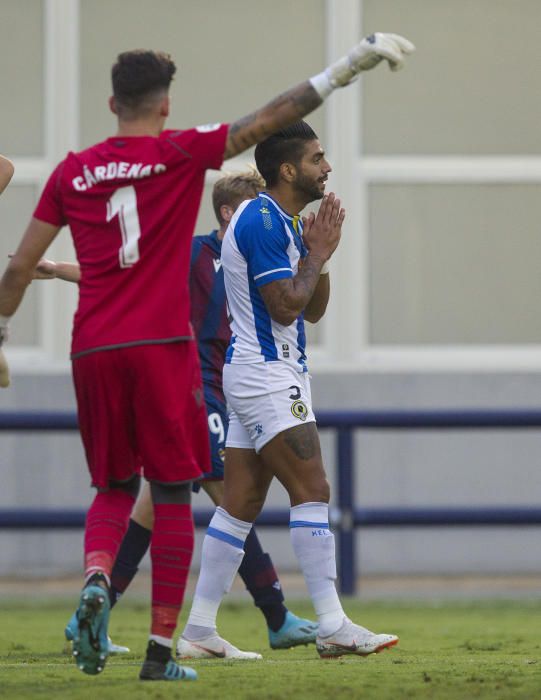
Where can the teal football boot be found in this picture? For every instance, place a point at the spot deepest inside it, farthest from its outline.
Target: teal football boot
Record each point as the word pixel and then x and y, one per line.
pixel 171 671
pixel 90 642
pixel 71 628
pixel 293 632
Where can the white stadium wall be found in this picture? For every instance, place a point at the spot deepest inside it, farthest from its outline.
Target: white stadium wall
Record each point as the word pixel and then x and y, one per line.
pixel 436 281
pixel 392 469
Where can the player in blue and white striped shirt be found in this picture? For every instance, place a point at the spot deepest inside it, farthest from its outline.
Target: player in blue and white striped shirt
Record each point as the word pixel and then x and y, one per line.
pixel 264 243
pixel 276 276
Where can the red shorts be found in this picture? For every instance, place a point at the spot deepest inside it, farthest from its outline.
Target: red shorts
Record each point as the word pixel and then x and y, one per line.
pixel 142 406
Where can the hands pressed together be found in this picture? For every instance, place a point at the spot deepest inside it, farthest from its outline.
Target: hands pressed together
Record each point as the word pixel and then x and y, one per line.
pixel 322 231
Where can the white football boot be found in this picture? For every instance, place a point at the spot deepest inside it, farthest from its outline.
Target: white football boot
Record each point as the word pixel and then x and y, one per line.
pixel 353 639
pixel 213 647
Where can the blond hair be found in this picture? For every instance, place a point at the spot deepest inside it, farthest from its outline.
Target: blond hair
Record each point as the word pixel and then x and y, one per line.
pixel 234 188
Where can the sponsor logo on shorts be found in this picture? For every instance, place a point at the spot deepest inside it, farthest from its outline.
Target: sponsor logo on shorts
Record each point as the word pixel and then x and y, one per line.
pixel 299 410
pixel 259 429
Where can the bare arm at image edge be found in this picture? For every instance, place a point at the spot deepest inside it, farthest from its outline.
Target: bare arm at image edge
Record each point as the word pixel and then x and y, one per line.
pixel 20 270
pixel 18 275
pixel 6 172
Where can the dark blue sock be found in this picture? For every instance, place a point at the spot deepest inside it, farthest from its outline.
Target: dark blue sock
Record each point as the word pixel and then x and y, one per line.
pixel 133 548
pixel 260 578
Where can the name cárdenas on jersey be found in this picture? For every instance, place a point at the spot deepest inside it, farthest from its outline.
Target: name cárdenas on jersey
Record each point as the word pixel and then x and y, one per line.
pixel 132 203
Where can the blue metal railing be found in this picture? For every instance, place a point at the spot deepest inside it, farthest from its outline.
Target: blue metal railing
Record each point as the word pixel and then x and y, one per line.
pixel 346 516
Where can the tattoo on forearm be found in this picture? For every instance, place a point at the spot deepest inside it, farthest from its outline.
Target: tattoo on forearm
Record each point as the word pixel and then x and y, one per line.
pixel 277 114
pixel 307 278
pixel 306 99
pixel 240 133
pixel 290 296
pixel 303 440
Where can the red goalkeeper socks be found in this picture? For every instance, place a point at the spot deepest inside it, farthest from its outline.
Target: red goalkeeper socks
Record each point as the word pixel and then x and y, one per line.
pixel 106 523
pixel 171 549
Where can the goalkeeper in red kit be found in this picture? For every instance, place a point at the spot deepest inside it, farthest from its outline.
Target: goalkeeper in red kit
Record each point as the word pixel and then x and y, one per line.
pixel 131 203
pixel 209 316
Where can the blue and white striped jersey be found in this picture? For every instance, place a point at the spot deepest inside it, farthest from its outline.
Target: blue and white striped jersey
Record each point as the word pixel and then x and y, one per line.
pixel 262 243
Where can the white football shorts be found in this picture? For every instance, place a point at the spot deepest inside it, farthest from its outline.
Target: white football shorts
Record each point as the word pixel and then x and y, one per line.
pixel 263 400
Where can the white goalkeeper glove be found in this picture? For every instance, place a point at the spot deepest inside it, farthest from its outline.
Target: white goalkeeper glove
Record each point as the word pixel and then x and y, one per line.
pixel 4 369
pixel 373 49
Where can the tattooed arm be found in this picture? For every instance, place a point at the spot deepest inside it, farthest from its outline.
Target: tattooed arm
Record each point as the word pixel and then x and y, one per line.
pixel 285 299
pixel 277 114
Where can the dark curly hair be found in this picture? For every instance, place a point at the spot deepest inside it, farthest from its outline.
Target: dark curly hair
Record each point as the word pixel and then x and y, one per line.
pixel 284 146
pixel 139 76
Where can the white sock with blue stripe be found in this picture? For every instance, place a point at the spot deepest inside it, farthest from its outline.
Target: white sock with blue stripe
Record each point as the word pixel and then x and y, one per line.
pixel 313 544
pixel 221 556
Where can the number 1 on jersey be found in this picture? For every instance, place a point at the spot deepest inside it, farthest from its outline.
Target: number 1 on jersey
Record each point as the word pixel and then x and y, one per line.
pixel 124 204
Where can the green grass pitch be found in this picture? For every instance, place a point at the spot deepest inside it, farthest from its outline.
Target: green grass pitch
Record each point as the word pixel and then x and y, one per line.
pixel 452 651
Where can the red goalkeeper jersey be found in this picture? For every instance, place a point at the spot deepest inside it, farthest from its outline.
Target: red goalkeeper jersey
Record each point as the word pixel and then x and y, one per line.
pixel 131 204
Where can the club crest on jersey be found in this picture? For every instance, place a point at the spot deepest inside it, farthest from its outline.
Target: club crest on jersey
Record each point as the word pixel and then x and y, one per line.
pixel 299 410
pixel 267 221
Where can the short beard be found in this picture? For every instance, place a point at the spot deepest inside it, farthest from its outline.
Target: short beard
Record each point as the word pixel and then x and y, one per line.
pixel 308 187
